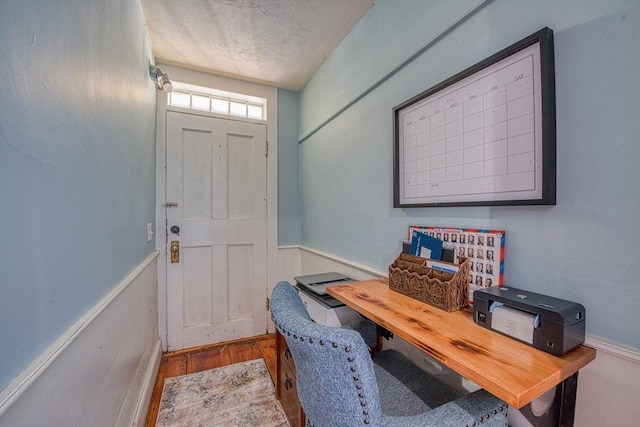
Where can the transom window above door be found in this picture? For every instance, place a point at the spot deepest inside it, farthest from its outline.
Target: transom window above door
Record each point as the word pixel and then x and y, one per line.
pixel 201 98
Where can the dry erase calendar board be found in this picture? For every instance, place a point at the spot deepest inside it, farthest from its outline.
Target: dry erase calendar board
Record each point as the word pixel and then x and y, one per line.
pixel 486 136
pixel 483 248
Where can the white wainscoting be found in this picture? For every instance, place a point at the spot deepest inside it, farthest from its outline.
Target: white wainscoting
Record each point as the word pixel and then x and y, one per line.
pixel 608 387
pixel 288 267
pixel 288 264
pixel 102 370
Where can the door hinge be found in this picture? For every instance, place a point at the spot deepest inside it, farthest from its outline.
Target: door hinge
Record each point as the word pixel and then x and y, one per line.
pixel 268 304
pixel 266 148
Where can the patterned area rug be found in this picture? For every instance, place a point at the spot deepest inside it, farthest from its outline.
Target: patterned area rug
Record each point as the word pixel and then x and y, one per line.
pixel 241 394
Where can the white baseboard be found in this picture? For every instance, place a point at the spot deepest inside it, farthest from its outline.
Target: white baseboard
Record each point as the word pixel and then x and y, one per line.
pixel 148 383
pixel 93 372
pixel 608 387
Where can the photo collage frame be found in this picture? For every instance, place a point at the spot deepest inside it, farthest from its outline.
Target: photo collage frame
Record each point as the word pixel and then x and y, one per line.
pixel 485 250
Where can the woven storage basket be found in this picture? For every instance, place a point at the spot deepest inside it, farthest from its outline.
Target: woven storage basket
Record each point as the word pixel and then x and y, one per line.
pixel 409 275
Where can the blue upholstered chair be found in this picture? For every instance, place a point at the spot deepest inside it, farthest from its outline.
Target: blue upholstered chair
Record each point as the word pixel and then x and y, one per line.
pixel 340 384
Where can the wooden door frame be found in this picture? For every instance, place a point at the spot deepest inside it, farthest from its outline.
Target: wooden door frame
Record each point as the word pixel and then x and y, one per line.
pixel 231 85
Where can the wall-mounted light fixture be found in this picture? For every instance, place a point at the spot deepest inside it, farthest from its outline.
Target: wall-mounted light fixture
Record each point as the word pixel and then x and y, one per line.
pixel 161 79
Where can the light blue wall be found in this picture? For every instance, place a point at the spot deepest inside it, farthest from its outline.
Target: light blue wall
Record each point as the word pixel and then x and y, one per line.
pixel 77 164
pixel 587 247
pixel 289 215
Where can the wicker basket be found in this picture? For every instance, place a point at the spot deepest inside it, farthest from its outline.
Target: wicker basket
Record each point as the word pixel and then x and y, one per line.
pixel 409 275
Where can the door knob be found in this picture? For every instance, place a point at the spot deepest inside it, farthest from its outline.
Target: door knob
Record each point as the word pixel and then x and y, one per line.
pixel 175 229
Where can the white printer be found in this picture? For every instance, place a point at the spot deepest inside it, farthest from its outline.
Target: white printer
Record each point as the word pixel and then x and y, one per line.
pixel 322 307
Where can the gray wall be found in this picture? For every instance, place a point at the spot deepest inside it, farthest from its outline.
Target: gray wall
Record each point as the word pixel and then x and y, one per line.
pixel 77 164
pixel 289 215
pixel 584 249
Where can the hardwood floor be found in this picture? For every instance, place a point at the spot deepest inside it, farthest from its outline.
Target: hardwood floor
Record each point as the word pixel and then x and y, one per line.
pixel 209 357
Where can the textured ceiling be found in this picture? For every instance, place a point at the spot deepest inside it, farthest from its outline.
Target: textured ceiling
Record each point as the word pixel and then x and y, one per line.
pixel 280 43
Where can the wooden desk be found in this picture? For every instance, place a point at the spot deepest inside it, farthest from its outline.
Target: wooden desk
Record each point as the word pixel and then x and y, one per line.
pixel 508 369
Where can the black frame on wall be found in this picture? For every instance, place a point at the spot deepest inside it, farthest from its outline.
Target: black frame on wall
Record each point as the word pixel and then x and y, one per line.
pixel 503 183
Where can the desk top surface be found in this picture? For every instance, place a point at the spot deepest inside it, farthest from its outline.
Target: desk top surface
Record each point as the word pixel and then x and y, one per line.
pixel 508 369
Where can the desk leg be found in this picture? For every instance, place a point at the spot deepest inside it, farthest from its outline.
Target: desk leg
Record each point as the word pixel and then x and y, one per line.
pixel 562 411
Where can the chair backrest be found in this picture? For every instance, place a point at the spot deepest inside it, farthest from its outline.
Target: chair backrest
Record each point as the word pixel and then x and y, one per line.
pixel 335 376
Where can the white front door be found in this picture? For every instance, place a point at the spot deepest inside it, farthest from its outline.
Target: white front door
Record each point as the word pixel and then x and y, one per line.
pixel 216 174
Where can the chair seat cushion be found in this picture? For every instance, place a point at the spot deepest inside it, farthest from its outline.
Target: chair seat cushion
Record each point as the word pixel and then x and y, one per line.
pixel 405 389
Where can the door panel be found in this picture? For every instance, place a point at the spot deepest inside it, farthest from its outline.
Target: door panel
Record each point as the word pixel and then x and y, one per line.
pixel 216 171
pixel 240 261
pixel 240 171
pixel 197 170
pixel 197 289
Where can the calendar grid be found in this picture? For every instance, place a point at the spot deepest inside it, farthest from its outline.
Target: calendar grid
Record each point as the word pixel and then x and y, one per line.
pixel 478 139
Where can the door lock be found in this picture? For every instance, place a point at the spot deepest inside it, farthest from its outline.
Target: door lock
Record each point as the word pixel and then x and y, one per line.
pixel 175 229
pixel 175 251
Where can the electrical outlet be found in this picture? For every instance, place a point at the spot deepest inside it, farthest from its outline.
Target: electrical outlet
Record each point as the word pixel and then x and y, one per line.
pixel 149 231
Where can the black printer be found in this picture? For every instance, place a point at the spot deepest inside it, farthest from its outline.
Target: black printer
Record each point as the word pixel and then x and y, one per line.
pixel 549 324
